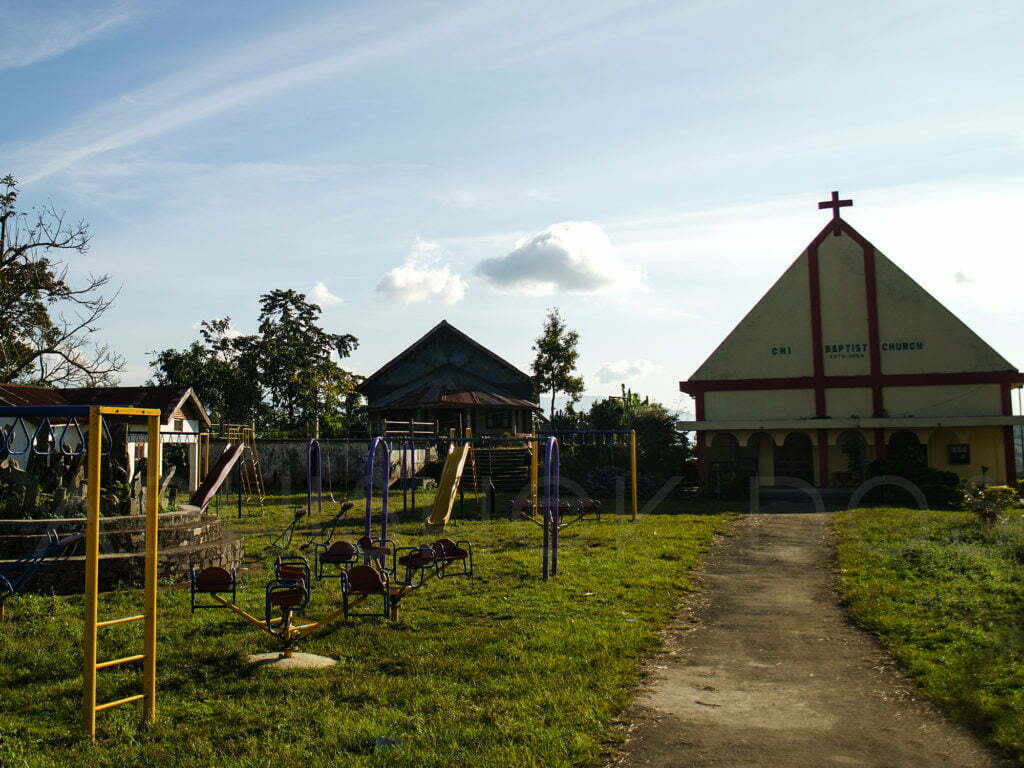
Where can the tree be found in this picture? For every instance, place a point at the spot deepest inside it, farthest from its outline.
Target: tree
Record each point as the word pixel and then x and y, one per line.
pixel 225 375
pixel 283 376
pixel 295 359
pixel 554 367
pixel 47 322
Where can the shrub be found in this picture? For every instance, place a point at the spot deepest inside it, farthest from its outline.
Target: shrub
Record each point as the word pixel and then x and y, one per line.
pixel 989 502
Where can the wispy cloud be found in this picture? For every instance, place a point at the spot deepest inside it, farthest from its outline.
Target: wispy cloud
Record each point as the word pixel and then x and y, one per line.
pixel 321 294
pixel 31 32
pixel 300 56
pixel 625 370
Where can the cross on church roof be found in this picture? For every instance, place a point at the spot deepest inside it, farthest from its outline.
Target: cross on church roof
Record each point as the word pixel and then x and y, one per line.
pixel 835 204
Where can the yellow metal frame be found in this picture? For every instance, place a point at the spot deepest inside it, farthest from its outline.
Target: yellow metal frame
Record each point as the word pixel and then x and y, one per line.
pixel 92 561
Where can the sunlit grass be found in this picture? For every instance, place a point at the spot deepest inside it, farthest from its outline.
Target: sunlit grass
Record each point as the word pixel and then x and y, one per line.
pixel 500 670
pixel 946 595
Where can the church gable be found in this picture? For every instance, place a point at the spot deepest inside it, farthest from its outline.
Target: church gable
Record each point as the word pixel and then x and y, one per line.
pixel 919 335
pixel 773 340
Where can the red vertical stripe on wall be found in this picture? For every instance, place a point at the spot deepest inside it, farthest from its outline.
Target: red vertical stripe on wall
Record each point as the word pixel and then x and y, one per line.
pixel 816 336
pixel 1009 449
pixel 823 471
pixel 874 340
pixel 880 452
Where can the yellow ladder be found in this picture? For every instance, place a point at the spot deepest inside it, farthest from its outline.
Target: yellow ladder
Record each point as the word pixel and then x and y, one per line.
pixel 92 558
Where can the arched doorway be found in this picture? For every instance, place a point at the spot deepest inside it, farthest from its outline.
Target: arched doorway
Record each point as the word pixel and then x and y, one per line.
pixel 795 458
pixel 906 453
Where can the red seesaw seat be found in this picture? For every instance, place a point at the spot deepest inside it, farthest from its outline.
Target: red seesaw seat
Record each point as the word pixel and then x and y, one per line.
pixel 212 580
pixel 447 552
pixel 365 581
pixel 340 553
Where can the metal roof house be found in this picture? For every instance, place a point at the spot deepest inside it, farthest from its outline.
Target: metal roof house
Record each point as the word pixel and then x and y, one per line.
pixel 447 377
pixel 183 416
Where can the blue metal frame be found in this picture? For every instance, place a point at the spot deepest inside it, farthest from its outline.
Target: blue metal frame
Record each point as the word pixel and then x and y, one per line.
pixel 14 576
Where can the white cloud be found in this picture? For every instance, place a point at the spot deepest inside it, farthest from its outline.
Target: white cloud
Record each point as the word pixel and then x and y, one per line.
pixel 574 256
pixel 962 277
pixel 423 277
pixel 320 294
pixel 625 370
pixel 32 31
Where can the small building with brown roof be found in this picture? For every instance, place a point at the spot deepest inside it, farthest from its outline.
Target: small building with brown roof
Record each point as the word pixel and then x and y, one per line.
pixel 182 415
pixel 447 377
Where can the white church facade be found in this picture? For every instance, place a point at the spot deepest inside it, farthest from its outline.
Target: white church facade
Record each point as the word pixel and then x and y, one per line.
pixel 846 360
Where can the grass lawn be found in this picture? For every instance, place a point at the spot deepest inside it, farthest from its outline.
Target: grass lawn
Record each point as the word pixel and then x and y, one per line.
pixel 946 596
pixel 500 670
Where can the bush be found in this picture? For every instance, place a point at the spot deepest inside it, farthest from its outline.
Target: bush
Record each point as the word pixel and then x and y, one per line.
pixel 989 502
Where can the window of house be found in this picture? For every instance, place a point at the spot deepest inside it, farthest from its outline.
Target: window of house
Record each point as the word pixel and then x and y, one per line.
pixel 499 419
pixel 959 454
pixel 179 425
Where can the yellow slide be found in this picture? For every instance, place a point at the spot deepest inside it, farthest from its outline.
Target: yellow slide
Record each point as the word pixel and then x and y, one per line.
pixel 449 484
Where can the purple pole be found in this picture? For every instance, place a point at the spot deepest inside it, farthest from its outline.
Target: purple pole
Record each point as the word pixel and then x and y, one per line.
pixel 551 477
pixel 371 457
pixel 313 450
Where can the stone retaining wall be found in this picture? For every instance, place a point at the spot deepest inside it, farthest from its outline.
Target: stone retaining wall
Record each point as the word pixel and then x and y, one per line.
pixel 187 539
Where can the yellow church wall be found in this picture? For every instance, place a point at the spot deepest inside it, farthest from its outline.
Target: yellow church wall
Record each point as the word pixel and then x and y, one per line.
pixel 774 404
pixel 843 403
pixel 919 335
pixel 773 340
pixel 844 320
pixel 956 400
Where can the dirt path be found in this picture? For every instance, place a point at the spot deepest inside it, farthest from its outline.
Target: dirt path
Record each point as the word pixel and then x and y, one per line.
pixel 768 672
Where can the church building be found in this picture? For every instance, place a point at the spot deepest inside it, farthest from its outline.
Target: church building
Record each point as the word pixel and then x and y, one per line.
pixel 846 360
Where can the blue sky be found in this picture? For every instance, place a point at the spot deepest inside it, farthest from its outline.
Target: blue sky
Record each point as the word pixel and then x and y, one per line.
pixel 648 167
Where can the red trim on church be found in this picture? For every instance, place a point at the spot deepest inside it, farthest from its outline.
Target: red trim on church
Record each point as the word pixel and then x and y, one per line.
pixel 876 380
pixel 1009 449
pixel 846 382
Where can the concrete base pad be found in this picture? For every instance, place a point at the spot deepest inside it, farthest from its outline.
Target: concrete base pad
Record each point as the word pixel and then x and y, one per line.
pixel 277 660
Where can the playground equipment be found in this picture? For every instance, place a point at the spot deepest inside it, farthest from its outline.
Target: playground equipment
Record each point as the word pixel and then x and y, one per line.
pixel 444 501
pixel 288 594
pixel 603 437
pixel 72 417
pixel 215 478
pixel 15 576
pixel 252 473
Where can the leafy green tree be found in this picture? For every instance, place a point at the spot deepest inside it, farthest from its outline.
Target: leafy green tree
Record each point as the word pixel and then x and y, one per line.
pixel 285 376
pixel 47 320
pixel 296 362
pixel 554 366
pixel 221 370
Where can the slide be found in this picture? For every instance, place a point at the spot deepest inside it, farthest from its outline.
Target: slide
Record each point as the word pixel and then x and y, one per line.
pixel 218 474
pixel 448 485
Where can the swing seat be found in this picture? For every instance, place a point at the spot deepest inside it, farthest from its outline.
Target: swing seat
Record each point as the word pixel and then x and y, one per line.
pixel 520 506
pixel 364 581
pixel 587 506
pixel 212 581
pixel 447 552
pixel 340 553
pixel 416 559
